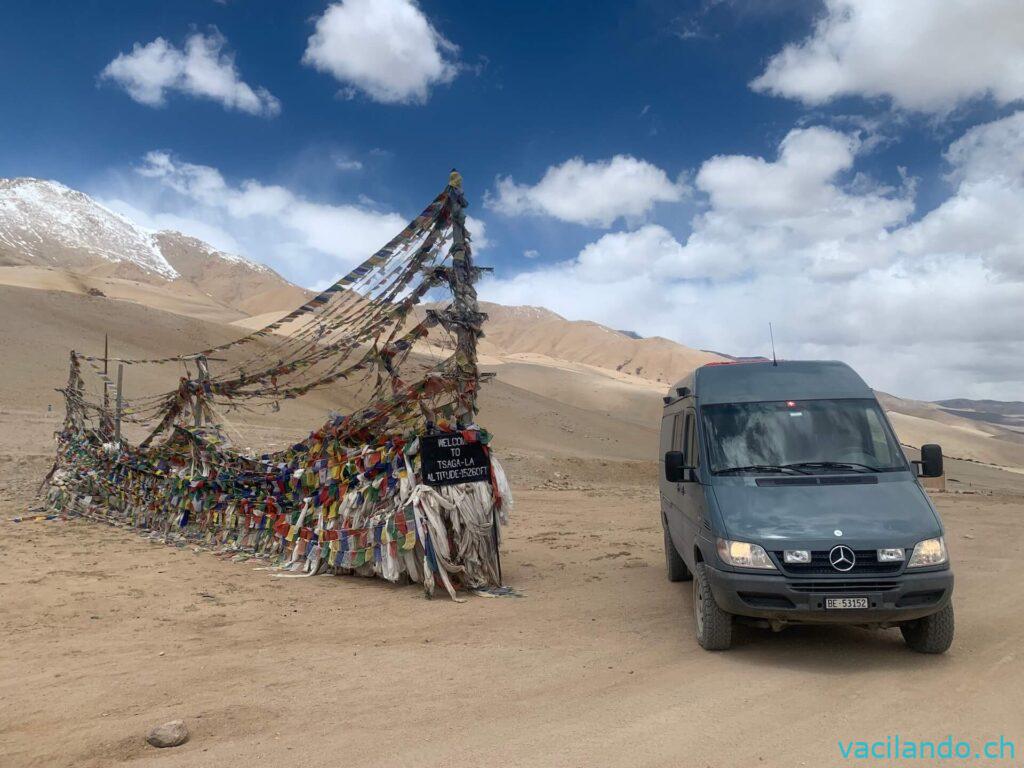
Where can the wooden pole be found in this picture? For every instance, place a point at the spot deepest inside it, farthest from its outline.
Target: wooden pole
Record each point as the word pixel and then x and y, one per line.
pixel 106 383
pixel 464 315
pixel 118 401
pixel 202 375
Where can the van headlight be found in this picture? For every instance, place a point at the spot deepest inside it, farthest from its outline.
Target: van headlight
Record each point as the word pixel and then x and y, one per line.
pixel 741 554
pixel 929 552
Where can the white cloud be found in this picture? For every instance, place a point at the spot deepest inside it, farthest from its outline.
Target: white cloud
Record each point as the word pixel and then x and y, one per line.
pixel 595 193
pixel 387 49
pixel 619 255
pixel 991 150
pixel 926 56
pixel 202 69
pixel 831 259
pixel 794 212
pixel 343 163
pixel 301 238
pixel 477 229
pixel 984 218
pixel 531 253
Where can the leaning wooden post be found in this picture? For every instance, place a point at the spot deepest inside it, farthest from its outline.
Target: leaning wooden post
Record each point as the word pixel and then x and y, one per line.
pixel 118 401
pixel 105 421
pixel 464 315
pixel 203 375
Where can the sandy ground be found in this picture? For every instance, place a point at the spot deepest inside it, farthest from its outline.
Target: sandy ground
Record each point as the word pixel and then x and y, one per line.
pixel 106 634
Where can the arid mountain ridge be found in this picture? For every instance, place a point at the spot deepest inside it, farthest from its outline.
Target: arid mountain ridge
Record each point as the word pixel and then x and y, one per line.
pixel 583 386
pixel 46 226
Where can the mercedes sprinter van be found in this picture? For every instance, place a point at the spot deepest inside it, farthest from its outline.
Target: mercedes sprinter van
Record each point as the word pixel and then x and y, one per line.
pixel 786 497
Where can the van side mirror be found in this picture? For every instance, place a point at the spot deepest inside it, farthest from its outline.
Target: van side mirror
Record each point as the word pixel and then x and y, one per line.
pixel 931 460
pixel 675 470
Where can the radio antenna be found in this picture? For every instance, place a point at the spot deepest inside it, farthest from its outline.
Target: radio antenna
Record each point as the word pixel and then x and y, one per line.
pixel 771 334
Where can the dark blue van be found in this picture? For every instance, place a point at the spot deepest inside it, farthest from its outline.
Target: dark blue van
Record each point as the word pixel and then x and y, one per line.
pixel 786 497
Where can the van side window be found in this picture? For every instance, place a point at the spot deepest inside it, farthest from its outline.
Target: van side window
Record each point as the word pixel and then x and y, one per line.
pixel 880 447
pixel 692 454
pixel 677 432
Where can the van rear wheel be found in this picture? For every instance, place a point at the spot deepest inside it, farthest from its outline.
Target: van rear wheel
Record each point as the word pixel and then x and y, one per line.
pixel 932 634
pixel 713 625
pixel 674 564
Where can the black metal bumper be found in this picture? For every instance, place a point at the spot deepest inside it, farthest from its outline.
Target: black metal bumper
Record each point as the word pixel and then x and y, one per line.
pixel 902 597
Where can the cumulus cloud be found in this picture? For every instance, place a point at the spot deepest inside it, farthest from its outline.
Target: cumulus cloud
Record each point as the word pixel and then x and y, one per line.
pixel 386 49
pixel 203 68
pixel 795 211
pixel 925 56
pixel 595 194
pixel 984 218
pixel 832 258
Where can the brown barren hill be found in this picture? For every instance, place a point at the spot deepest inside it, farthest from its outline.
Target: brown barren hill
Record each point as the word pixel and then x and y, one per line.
pixel 243 285
pixel 535 330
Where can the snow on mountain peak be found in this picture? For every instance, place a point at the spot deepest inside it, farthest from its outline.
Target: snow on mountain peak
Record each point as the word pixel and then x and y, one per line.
pixel 209 250
pixel 39 217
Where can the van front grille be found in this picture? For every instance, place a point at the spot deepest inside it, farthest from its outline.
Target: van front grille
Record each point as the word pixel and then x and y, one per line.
pixel 866 562
pixel 836 585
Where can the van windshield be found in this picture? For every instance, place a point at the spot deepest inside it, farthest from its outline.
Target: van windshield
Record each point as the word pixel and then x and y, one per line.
pixel 806 436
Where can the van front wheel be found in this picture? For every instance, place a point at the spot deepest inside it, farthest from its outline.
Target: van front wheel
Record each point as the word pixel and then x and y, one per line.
pixel 713 625
pixel 674 564
pixel 932 634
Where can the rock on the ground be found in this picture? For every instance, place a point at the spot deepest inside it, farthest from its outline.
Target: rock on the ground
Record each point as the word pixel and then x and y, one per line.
pixel 170 734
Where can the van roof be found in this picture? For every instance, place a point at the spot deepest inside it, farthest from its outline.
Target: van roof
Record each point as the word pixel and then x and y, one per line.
pixel 763 381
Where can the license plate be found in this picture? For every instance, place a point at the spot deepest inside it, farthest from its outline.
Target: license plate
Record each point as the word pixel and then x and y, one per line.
pixel 846 602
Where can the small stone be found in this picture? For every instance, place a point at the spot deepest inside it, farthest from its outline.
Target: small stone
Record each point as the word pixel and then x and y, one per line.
pixel 170 734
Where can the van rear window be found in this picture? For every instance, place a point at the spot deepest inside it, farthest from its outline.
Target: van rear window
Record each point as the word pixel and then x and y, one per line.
pixel 800 437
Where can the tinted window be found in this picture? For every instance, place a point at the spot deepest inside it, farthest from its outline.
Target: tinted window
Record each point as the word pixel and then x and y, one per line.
pixel 811 431
pixel 692 454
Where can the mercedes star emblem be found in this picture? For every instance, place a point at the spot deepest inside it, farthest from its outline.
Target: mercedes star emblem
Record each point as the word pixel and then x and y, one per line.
pixel 842 558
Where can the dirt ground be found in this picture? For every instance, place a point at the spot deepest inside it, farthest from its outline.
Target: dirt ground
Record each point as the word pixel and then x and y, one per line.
pixel 106 634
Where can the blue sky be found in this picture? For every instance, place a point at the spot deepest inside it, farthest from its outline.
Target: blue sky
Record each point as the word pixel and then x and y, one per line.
pixel 847 169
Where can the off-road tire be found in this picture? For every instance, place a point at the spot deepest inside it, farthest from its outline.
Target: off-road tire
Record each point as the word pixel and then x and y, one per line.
pixel 932 634
pixel 674 564
pixel 713 625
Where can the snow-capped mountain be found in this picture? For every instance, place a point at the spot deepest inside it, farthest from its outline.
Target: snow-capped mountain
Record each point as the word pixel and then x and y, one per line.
pixel 46 224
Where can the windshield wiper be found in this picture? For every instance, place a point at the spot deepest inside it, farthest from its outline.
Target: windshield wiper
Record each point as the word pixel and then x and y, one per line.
pixel 761 468
pixel 833 465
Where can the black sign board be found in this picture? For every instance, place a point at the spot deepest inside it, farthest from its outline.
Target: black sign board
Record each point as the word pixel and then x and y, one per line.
pixel 449 459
